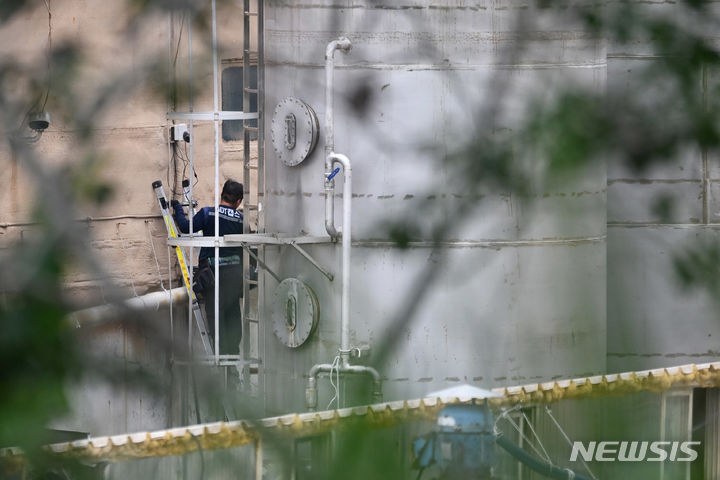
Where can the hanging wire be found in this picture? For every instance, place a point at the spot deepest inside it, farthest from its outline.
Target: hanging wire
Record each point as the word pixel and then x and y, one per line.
pixel 562 432
pixel 173 168
pixel 49 54
pixel 537 437
pixel 157 263
pixel 519 430
pixel 181 155
pixel 336 386
pixel 186 163
pixel 177 48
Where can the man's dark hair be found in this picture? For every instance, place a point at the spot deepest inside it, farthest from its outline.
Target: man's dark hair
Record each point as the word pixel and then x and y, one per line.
pixel 232 191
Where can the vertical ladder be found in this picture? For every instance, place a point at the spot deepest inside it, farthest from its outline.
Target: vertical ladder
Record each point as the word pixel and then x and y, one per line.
pixel 251 310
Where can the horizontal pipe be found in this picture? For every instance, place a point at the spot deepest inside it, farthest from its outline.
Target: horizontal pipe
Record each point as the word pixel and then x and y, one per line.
pixel 311 389
pixel 150 301
pixel 322 367
pixel 362 369
pixel 212 116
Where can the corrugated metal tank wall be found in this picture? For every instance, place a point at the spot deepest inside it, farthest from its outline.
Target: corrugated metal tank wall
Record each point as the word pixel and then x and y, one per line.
pixel 522 295
pixel 652 321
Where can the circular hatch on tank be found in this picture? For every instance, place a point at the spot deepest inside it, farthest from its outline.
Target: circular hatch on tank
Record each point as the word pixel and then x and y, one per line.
pixel 294 131
pixel 295 312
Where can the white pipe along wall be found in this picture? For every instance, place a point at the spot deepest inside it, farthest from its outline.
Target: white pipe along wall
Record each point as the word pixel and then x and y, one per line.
pixel 111 311
pixel 343 44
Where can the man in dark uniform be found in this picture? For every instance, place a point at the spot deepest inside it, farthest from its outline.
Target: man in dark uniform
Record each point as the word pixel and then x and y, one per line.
pixel 230 289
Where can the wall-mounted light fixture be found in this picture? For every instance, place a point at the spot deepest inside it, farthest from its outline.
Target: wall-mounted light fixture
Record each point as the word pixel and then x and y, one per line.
pixel 38 122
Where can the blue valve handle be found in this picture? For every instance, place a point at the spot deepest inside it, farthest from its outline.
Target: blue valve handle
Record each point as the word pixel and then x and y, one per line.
pixel 334 172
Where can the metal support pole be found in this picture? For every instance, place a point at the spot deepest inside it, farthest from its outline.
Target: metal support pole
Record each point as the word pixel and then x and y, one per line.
pixel 245 311
pixel 258 458
pixel 188 372
pixel 260 194
pixel 217 184
pixel 191 106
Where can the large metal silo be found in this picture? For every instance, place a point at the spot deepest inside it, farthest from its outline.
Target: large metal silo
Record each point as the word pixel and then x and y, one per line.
pixel 521 292
pixel 654 319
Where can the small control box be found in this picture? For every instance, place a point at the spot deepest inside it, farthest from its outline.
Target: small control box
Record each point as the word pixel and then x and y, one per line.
pixel 179 133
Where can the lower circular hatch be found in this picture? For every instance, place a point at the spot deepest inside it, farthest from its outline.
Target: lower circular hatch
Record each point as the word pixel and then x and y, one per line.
pixel 295 312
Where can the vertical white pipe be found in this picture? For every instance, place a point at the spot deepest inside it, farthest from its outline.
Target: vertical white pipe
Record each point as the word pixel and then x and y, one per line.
pixel 329 142
pixel 346 247
pixel 329 74
pixel 217 180
pixel 343 44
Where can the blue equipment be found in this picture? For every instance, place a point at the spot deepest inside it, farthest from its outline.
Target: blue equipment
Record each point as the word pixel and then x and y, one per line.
pixel 463 445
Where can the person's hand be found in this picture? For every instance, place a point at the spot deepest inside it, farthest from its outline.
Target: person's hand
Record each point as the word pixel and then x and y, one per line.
pixel 174 203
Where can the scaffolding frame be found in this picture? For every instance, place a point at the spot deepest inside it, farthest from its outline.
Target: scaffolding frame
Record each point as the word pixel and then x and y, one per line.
pixel 252 312
pixel 243 361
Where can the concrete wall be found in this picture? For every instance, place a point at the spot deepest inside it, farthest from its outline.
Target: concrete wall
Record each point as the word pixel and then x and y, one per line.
pixel 122 81
pixel 129 134
pixel 128 137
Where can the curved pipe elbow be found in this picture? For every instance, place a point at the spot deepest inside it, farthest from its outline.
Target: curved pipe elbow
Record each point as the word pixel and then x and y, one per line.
pixel 376 375
pixel 326 368
pixel 311 390
pixel 316 369
pixel 331 230
pixel 330 213
pixel 363 369
pixel 342 160
pixel 330 160
pixel 342 43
